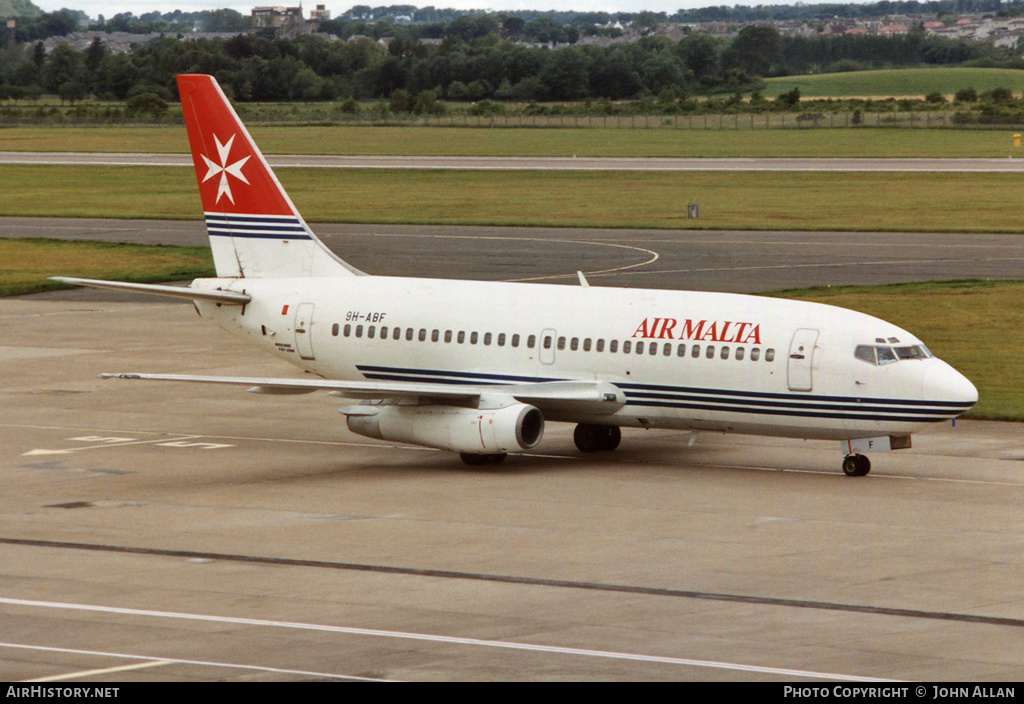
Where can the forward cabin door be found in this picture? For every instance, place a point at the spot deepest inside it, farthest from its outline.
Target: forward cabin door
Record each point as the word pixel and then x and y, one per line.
pixel 801 359
pixel 304 330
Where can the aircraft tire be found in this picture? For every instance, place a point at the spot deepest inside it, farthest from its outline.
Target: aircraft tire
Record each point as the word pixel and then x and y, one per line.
pixel 856 465
pixel 597 438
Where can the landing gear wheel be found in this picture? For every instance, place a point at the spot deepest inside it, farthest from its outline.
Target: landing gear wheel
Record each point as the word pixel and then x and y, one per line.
pixel 597 438
pixel 856 465
pixel 475 460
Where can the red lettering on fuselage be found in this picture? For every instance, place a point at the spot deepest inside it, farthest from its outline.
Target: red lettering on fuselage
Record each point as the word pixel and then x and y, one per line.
pixel 702 330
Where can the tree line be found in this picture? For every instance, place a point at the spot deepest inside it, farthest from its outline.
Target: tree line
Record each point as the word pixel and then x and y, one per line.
pixel 473 59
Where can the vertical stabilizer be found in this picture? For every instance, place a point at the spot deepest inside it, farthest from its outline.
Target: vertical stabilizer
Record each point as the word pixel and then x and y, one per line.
pixel 255 230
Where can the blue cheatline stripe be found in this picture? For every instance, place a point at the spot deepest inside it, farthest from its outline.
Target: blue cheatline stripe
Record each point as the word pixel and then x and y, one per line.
pixel 701 399
pixel 274 227
pixel 804 401
pixel 463 377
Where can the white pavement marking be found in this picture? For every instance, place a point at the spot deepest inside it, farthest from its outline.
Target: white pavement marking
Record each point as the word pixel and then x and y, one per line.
pixel 180 661
pixel 104 671
pixel 450 640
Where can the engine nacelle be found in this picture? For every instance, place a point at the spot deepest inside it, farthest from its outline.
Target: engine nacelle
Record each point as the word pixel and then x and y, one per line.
pixel 469 430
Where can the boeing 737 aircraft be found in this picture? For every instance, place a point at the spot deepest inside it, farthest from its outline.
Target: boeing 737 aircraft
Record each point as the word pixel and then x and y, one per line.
pixel 478 368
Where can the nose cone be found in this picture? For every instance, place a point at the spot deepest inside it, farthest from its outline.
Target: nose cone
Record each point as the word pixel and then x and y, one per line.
pixel 947 386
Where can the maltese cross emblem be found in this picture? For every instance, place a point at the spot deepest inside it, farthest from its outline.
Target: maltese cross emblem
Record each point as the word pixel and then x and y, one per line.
pixel 223 169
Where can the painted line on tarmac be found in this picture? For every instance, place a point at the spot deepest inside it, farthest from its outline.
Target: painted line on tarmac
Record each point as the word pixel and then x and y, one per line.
pixel 434 638
pixel 180 661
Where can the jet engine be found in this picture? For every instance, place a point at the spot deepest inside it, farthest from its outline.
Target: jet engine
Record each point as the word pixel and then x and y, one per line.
pixel 517 426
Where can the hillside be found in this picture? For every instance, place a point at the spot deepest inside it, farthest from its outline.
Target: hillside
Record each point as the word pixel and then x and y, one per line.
pixel 911 82
pixel 18 8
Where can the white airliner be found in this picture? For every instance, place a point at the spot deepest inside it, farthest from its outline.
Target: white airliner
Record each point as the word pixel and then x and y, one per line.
pixel 478 368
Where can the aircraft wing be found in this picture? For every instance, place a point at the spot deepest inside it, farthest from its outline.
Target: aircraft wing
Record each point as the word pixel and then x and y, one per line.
pixel 598 397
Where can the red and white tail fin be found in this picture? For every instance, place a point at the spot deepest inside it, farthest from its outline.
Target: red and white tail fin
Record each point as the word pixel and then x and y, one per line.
pixel 255 230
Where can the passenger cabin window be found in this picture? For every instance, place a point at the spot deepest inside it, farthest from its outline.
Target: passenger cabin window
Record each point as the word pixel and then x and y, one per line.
pixel 769 355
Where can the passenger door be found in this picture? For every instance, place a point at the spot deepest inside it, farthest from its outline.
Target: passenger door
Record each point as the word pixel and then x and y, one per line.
pixel 801 360
pixel 304 330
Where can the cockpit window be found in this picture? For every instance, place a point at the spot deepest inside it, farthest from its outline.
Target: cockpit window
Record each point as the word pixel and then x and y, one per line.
pixel 913 352
pixel 865 353
pixel 884 354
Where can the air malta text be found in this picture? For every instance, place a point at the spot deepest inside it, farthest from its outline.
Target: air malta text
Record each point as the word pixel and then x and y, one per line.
pixel 700 330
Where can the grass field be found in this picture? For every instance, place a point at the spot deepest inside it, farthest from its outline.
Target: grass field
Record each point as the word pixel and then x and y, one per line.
pixel 26 264
pixel 459 141
pixel 907 82
pixel 728 200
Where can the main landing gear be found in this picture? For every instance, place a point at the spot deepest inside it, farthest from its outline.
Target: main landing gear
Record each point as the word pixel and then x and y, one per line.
pixel 597 438
pixel 856 465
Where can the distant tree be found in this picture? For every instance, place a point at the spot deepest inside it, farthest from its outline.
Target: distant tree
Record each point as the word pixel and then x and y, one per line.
pixel 755 50
pixel 225 21
pixel 64 73
pixel 966 95
pixel 790 99
pixel 146 105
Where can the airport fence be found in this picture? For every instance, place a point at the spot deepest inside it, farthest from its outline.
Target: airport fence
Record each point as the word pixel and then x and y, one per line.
pixel 328 114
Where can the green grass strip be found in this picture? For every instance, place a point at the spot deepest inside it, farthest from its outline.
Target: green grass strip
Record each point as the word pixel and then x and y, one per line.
pixel 26 263
pixel 901 202
pixel 560 142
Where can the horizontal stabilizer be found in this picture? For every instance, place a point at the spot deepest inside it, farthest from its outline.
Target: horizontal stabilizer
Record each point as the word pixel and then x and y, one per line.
pixel 225 297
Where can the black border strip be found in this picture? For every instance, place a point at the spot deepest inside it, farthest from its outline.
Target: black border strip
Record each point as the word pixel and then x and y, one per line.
pixel 531 581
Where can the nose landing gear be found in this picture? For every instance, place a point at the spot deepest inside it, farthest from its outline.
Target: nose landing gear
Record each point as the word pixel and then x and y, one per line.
pixel 856 465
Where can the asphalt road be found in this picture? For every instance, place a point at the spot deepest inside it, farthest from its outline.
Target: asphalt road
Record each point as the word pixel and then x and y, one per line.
pixel 155 532
pixel 738 261
pixel 179 532
pixel 542 163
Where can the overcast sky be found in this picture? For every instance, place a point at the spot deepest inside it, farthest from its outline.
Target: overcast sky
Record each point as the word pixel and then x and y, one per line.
pixel 109 8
